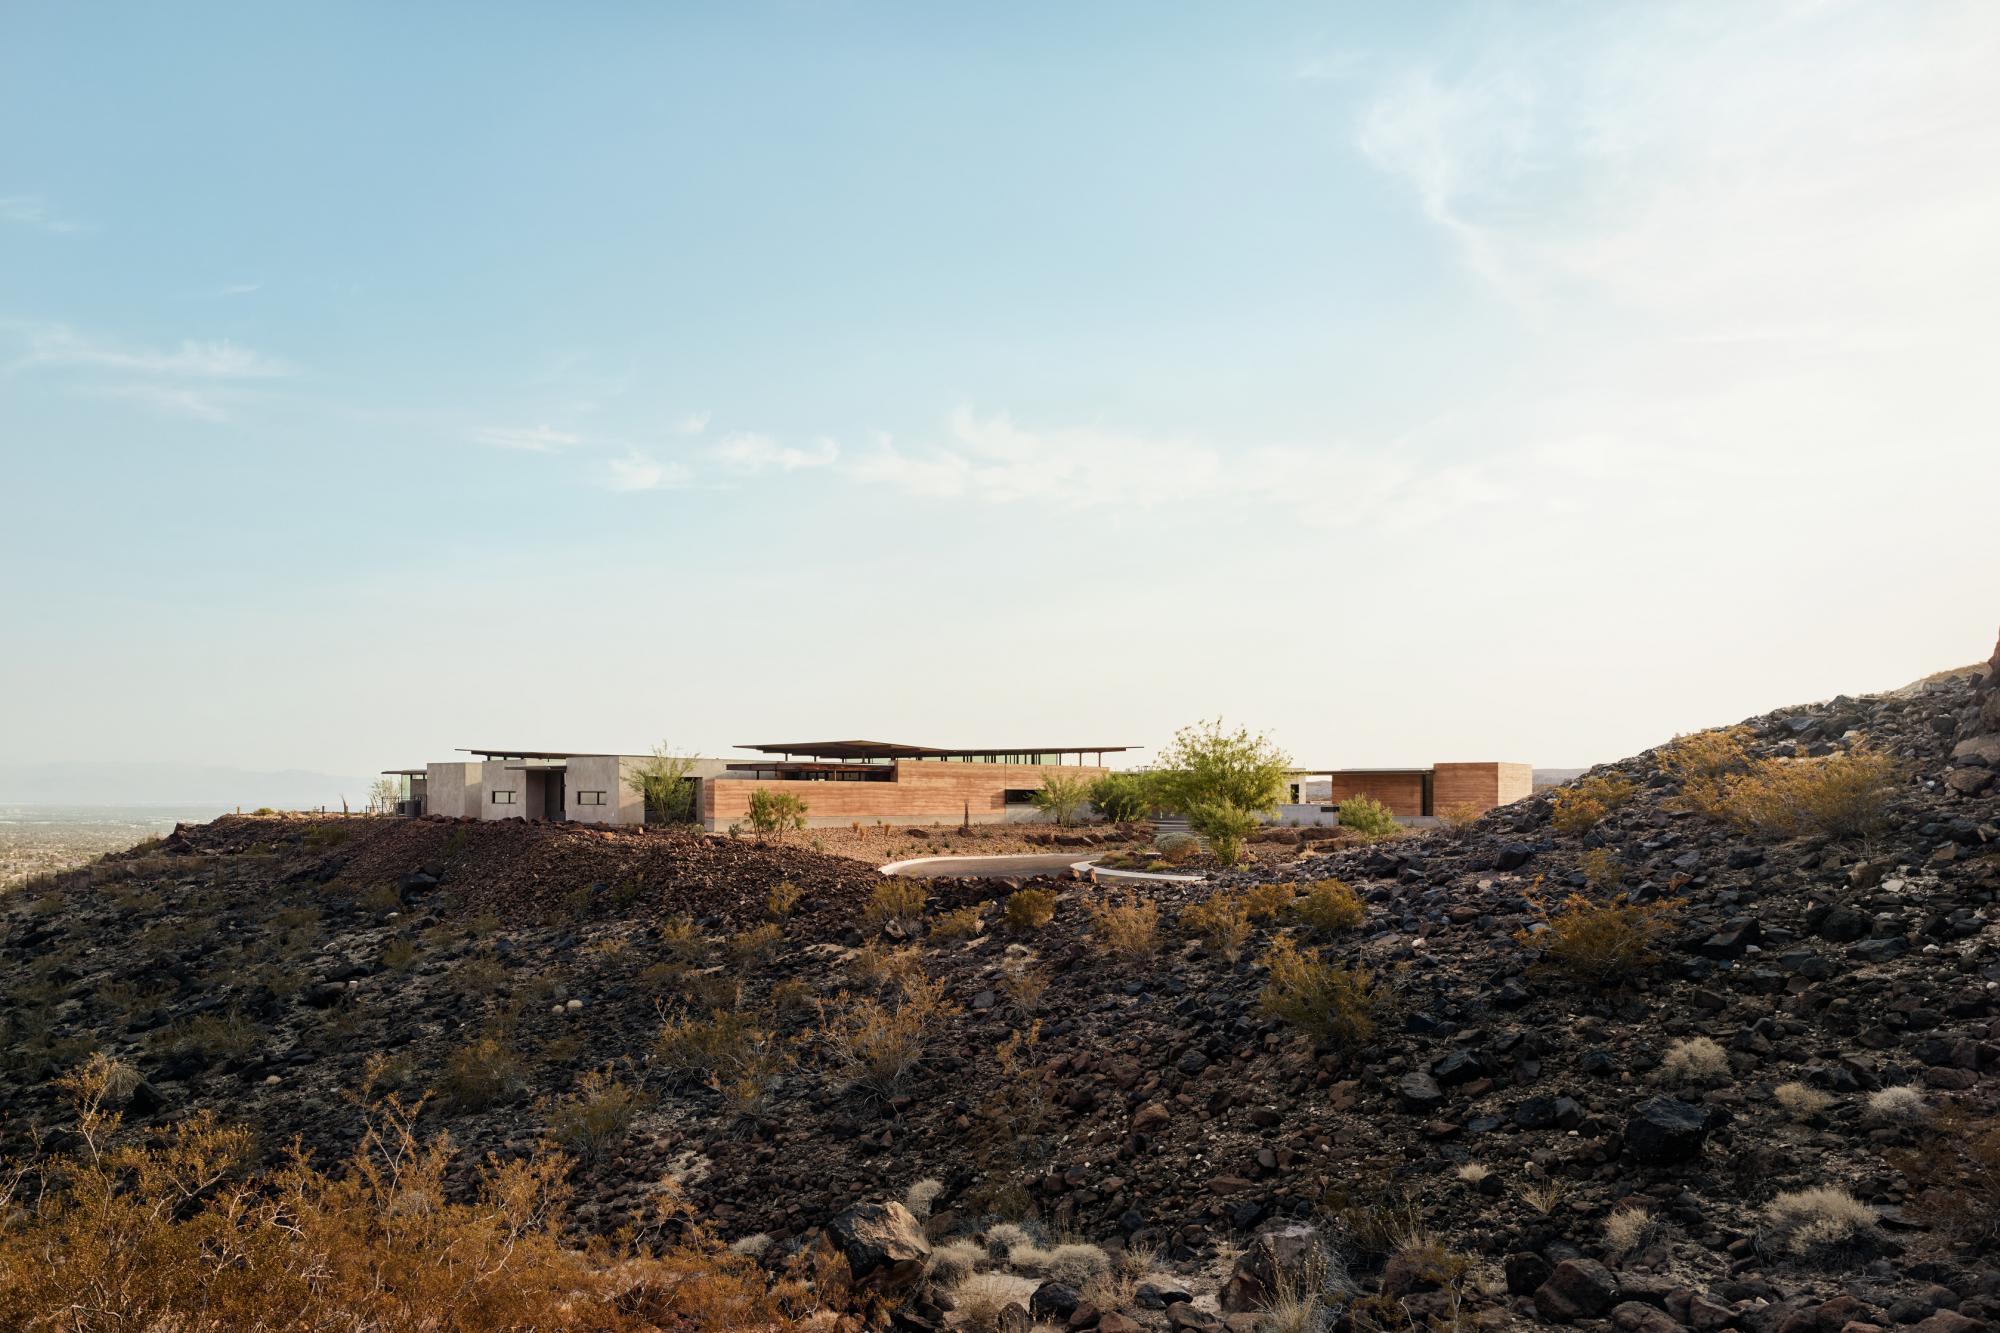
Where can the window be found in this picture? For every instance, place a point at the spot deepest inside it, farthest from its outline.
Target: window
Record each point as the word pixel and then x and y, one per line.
pixel 1020 796
pixel 590 798
pixel 503 797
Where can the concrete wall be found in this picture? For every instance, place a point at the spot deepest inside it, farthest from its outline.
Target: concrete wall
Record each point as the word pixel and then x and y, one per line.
pixel 604 775
pixel 496 776
pixel 453 789
pixel 920 793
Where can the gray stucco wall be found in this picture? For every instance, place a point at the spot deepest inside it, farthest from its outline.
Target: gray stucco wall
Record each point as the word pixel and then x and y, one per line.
pixel 452 789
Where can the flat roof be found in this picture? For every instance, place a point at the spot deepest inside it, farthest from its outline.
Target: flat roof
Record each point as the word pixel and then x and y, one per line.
pixel 530 754
pixel 893 750
pixel 404 772
pixel 1351 772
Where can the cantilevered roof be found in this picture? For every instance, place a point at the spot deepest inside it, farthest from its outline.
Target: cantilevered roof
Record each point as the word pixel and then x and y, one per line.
pixel 529 754
pixel 893 750
pixel 404 772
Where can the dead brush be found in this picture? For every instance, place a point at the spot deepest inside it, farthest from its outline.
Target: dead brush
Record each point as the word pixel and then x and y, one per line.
pixel 876 1047
pixel 1127 927
pixel 595 1117
pixel 693 1050
pixel 1843 795
pixel 182 1230
pixel 894 900
pixel 1221 921
pixel 1330 906
pixel 1029 909
pixel 877 966
pixel 1598 942
pixel 1326 1001
pixel 1584 804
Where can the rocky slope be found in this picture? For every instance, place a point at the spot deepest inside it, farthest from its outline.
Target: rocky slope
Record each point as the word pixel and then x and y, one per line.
pixel 271 968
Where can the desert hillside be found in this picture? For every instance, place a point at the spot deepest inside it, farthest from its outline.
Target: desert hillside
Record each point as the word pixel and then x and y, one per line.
pixel 1705 1038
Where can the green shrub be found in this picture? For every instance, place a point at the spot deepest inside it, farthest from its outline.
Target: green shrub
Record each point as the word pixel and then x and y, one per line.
pixel 1582 805
pixel 1062 797
pixel 1225 824
pixel 1030 909
pixel 1600 942
pixel 665 783
pixel 773 814
pixel 1121 797
pixel 1368 817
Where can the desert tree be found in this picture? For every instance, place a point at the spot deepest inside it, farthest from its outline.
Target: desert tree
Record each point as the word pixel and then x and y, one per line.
pixel 663 780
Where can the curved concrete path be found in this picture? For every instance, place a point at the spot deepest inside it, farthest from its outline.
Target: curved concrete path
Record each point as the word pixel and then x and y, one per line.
pixel 985 867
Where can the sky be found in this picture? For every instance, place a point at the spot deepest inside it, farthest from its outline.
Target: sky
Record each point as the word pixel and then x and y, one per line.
pixel 1413 383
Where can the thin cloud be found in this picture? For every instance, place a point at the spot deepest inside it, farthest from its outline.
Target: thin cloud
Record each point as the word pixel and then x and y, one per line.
pixel 752 453
pixel 219 360
pixel 31 210
pixel 169 400
pixel 641 472
pixel 241 288
pixel 694 423
pixel 541 439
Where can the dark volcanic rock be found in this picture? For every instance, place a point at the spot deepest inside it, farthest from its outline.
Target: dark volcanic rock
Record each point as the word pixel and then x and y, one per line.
pixel 1664 1130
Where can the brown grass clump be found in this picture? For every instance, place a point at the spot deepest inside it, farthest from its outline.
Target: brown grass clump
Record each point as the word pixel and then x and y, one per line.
pixel 1029 909
pixel 747 948
pixel 1837 795
pixel 1325 1000
pixel 176 1232
pixel 1696 1062
pixel 894 899
pixel 1582 805
pixel 1221 921
pixel 1825 1226
pixel 718 1048
pixel 1330 905
pixel 877 1047
pixel 1126 926
pixel 876 965
pixel 1600 942
pixel 1799 1102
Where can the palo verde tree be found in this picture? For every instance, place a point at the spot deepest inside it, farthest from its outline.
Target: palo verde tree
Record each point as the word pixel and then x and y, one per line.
pixel 1062 797
pixel 664 781
pixel 1222 781
pixel 1122 797
pixel 775 813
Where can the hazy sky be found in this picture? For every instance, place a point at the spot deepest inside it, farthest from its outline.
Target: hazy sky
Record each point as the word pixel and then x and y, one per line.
pixel 1417 382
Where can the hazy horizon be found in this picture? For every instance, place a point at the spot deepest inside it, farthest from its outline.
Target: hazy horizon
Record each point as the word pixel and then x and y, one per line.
pixel 1481 381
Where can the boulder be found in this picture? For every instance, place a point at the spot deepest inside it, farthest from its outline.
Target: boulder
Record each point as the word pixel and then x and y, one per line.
pixel 1665 1130
pixel 883 1244
pixel 1577 1289
pixel 1292 1257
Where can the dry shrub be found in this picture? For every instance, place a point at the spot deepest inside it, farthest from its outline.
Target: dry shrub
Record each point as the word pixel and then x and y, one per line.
pixel 1265 902
pixel 1800 1102
pixel 1074 1265
pixel 877 965
pixel 1695 1062
pixel 756 945
pixel 703 1050
pixel 1599 942
pixel 1706 754
pixel 1178 848
pixel 486 1073
pixel 783 899
pixel 1629 1228
pixel 595 1117
pixel 1825 1226
pixel 1544 1196
pixel 1837 795
pixel 1473 1173
pixel 176 1232
pixel 1602 870
pixel 1221 921
pixel 951 1262
pixel 1030 909
pixel 1126 926
pixel 961 923
pixel 919 1197
pixel 1954 1175
pixel 1330 905
pixel 1582 805
pixel 877 1047
pixel 1325 1000
pixel 894 899
pixel 979 1298
pixel 681 941
pixel 399 955
pixel 1459 817
pixel 1898 1106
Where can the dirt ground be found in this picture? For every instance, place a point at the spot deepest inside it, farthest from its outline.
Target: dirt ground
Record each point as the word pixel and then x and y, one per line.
pixel 879 845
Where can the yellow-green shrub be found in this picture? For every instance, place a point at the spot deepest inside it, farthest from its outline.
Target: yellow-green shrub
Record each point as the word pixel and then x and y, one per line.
pixel 1600 942
pixel 1583 804
pixel 1330 905
pixel 1030 909
pixel 1326 1000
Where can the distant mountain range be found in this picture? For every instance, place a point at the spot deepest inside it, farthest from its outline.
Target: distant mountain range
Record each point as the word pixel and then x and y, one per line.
pixel 128 784
pixel 1555 777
